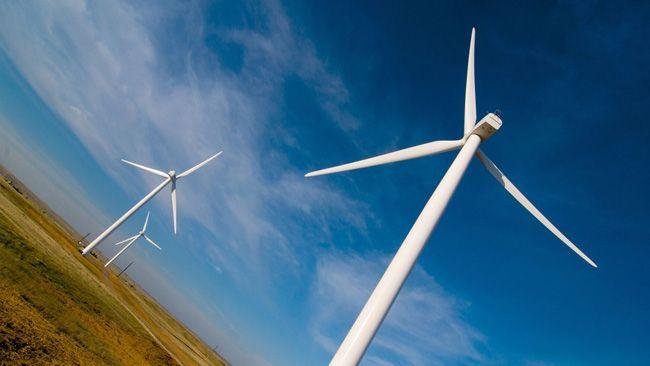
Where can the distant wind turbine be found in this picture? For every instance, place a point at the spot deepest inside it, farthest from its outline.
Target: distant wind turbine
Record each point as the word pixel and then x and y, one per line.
pixel 128 242
pixel 170 177
pixel 367 323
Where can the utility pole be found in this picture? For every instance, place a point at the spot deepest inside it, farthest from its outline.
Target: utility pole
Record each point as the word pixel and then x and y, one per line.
pixel 124 270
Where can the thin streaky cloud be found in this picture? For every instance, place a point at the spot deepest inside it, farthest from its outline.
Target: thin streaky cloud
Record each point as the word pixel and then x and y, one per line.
pixel 126 94
pixel 424 327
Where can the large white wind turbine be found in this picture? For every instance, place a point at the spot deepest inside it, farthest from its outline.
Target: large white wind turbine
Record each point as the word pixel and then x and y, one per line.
pixel 170 177
pixel 367 323
pixel 128 242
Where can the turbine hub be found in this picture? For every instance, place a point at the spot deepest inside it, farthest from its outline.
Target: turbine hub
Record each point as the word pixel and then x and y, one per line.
pixel 172 173
pixel 487 126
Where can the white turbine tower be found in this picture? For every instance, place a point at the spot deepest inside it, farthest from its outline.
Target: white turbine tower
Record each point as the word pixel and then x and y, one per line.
pixel 367 323
pixel 132 240
pixel 170 177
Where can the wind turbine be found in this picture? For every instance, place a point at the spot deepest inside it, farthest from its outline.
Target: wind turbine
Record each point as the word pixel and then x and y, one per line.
pixel 367 323
pixel 132 240
pixel 170 177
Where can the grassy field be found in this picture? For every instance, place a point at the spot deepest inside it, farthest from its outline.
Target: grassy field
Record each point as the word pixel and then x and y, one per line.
pixel 59 308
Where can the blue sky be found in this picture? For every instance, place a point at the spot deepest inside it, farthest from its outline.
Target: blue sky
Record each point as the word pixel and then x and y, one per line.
pixel 273 267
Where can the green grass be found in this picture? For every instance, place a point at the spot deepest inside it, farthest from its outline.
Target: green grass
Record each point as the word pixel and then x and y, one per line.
pixel 52 311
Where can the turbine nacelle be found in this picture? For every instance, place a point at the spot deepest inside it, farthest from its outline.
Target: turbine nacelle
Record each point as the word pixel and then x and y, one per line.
pixel 486 127
pixel 172 177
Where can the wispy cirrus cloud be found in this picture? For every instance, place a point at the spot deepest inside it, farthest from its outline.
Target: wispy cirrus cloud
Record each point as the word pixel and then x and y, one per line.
pixel 138 81
pixel 425 326
pixel 126 93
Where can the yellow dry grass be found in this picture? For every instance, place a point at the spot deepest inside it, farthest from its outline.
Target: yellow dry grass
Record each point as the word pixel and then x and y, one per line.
pixel 59 308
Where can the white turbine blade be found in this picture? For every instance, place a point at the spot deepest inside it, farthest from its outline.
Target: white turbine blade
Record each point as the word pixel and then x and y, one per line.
pixel 174 203
pixel 431 148
pixel 146 221
pixel 470 92
pixel 152 243
pixel 191 170
pixel 150 170
pixel 507 184
pixel 124 248
pixel 125 240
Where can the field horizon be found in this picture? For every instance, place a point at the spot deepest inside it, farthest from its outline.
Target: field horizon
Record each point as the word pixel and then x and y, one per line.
pixel 58 307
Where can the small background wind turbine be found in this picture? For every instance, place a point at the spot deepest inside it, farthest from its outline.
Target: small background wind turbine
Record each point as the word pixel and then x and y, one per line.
pixel 128 242
pixel 170 177
pixel 373 313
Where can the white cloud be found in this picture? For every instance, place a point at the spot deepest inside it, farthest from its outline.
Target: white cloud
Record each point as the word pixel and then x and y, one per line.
pixel 101 67
pixel 425 326
pixel 128 85
pixel 127 91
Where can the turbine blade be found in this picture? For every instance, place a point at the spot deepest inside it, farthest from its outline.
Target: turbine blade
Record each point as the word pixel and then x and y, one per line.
pixel 470 92
pixel 174 203
pixel 125 240
pixel 122 250
pixel 151 242
pixel 431 148
pixel 150 170
pixel 146 221
pixel 191 170
pixel 507 184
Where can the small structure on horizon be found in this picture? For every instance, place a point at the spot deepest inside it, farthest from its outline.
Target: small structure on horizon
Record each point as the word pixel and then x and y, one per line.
pixel 125 268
